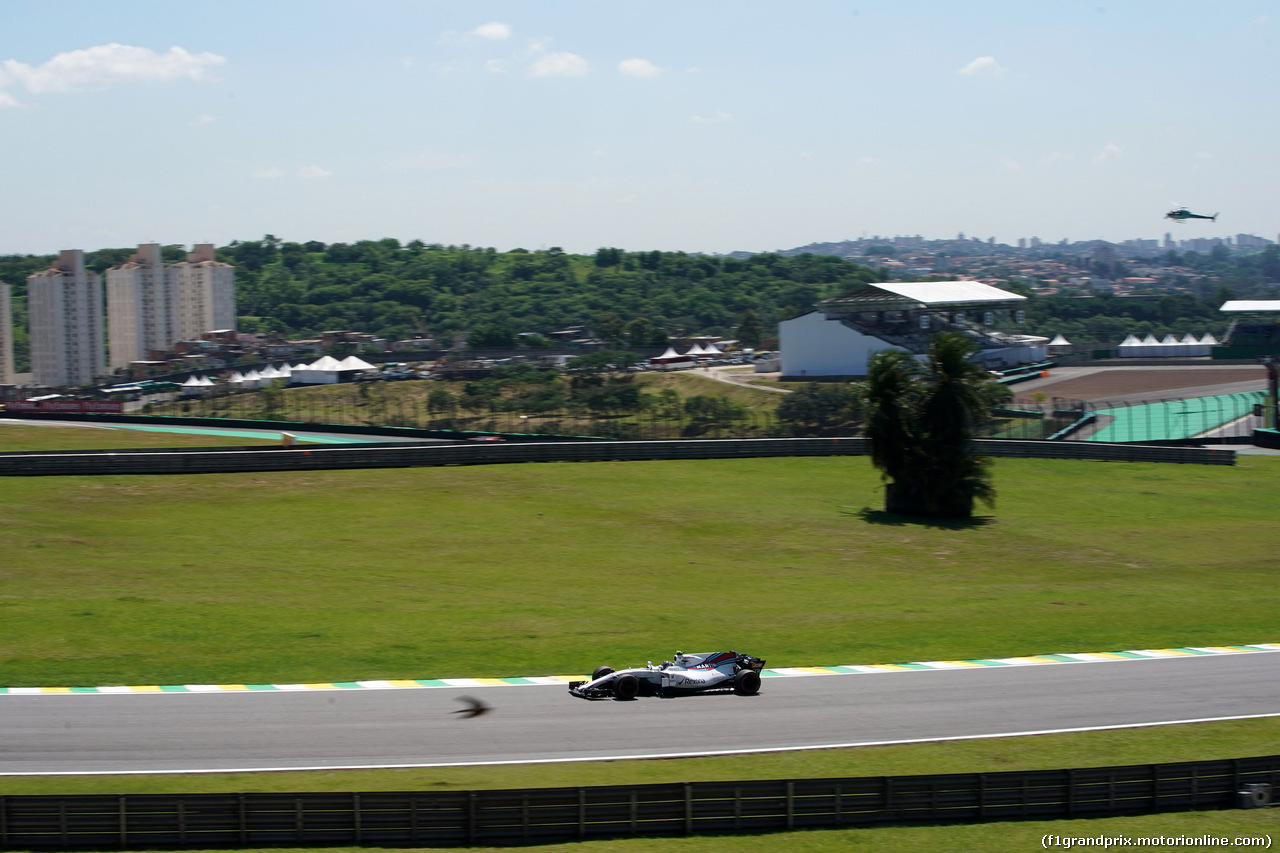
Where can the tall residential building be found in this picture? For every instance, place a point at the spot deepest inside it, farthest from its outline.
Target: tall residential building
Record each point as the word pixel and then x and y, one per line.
pixel 206 294
pixel 6 336
pixel 64 307
pixel 139 317
pixel 152 305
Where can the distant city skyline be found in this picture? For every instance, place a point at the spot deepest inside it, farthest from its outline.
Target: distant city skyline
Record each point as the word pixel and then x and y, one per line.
pixel 714 127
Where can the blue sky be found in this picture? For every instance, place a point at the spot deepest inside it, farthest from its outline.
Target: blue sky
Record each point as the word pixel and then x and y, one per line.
pixel 708 126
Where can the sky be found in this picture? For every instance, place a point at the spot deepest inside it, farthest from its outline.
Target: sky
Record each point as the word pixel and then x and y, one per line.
pixel 704 127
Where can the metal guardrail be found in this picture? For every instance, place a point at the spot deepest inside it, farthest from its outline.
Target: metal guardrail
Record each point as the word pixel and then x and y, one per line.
pixel 224 460
pixel 434 819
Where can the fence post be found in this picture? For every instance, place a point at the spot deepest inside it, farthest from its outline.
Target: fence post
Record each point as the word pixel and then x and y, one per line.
pixel 688 809
pixel 357 823
pixel 123 807
pixel 582 812
pixel 471 817
pixel 791 805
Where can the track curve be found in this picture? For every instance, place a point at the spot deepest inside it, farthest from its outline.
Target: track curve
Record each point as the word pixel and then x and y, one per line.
pixel 197 732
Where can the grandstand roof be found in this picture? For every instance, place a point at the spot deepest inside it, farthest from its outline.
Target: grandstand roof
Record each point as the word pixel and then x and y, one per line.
pixel 1251 306
pixel 900 295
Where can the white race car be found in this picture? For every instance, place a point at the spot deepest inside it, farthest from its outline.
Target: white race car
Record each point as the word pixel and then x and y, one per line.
pixel 688 673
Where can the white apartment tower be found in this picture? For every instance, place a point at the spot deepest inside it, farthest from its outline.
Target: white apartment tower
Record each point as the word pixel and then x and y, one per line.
pixel 6 336
pixel 152 305
pixel 64 306
pixel 206 293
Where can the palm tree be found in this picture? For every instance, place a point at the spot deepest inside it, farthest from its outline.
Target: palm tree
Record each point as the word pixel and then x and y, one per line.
pixel 921 423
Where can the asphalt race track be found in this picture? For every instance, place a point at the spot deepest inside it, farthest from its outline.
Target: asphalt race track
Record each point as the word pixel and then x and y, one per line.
pixel 174 732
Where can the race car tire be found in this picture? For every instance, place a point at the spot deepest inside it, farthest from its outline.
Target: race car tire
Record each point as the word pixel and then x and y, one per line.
pixel 601 670
pixel 746 682
pixel 626 687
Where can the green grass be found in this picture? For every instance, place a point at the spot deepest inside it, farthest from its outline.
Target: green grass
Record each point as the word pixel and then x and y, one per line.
pixel 502 570
pixel 18 437
pixel 691 384
pixel 1158 744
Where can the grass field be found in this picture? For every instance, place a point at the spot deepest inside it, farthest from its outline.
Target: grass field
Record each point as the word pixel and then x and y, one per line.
pixel 19 437
pixel 405 404
pixel 550 568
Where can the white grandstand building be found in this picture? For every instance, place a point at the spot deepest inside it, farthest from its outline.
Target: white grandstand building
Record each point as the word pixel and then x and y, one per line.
pixel 841 334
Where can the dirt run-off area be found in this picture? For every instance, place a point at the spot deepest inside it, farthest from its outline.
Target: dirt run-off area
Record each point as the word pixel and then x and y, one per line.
pixel 1099 383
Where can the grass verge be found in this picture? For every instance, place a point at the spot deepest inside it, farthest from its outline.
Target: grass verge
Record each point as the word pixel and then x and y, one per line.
pixel 21 437
pixel 349 575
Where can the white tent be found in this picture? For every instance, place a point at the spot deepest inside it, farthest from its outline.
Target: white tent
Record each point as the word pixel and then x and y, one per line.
pixel 195 386
pixel 327 370
pixel 696 351
pixel 1209 339
pixel 712 349
pixel 324 362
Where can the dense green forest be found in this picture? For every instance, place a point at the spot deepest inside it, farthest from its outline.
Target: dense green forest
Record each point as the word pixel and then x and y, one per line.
pixel 635 299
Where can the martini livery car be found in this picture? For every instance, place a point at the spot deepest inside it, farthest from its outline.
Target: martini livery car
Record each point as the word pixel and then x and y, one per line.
pixel 689 673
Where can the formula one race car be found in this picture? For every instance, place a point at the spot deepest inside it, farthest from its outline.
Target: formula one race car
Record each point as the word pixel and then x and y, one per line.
pixel 697 673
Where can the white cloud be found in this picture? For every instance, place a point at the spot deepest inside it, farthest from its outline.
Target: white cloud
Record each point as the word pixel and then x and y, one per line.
pixel 982 65
pixel 718 117
pixel 1110 151
pixel 639 68
pixel 1055 157
pixel 314 173
pixel 560 65
pixel 407 62
pixel 7 100
pixel 493 30
pixel 106 65
pixel 495 66
pixel 269 174
pixel 203 119
pixel 1011 164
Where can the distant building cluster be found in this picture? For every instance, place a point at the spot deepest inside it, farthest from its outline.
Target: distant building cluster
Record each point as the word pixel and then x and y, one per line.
pixel 77 335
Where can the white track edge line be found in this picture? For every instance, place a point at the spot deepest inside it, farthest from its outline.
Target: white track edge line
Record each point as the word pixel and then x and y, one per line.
pixel 649 757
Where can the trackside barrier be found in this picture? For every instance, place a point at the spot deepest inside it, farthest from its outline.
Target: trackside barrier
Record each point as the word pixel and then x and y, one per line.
pixel 448 819
pixel 235 460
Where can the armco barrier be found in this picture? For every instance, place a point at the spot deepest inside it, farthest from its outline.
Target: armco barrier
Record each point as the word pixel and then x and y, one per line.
pixel 437 819
pixel 235 460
